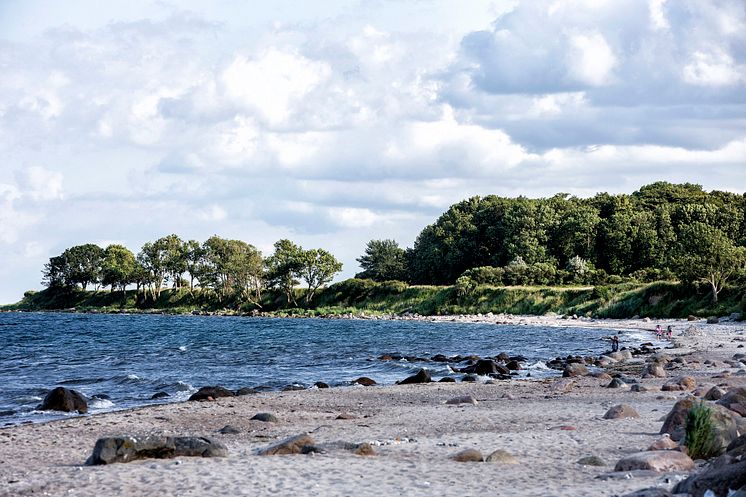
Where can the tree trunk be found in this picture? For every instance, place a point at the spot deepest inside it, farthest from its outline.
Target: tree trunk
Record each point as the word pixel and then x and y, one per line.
pixel 715 292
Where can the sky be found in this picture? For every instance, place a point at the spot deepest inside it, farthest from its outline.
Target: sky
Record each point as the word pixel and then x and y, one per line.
pixel 336 122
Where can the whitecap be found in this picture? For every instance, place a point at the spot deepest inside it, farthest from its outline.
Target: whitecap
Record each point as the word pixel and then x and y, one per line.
pixel 182 348
pixel 100 404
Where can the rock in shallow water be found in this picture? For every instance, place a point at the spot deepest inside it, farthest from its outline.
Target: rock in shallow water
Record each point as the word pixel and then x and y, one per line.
pixel 64 399
pixel 422 376
pixel 127 448
pixel 207 393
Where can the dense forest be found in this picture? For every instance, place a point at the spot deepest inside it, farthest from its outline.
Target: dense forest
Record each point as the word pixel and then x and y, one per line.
pixel 661 232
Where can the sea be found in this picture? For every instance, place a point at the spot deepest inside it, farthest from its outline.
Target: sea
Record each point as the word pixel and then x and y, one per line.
pixel 119 361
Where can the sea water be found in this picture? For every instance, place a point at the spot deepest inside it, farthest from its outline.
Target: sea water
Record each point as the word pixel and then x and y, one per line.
pixel 128 358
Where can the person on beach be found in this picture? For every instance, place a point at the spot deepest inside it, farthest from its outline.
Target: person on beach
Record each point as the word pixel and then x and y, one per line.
pixel 659 332
pixel 614 343
pixel 669 331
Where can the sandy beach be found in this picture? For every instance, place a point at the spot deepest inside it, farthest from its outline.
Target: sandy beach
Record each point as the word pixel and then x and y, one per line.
pixel 412 430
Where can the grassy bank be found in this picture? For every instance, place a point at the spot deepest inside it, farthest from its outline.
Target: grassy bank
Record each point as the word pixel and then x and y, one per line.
pixel 659 299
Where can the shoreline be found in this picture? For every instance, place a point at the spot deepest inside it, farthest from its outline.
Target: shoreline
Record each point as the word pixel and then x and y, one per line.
pixel 410 427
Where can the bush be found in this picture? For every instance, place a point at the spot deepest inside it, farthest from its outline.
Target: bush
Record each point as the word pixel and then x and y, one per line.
pixel 699 438
pixel 486 275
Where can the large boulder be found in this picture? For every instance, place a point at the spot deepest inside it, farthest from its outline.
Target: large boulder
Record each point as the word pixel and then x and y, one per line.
pixel 715 480
pixel 661 460
pixel 725 423
pixel 682 383
pixel 654 370
pixel 211 393
pixel 64 399
pixel 422 376
pixel 733 396
pixel 128 448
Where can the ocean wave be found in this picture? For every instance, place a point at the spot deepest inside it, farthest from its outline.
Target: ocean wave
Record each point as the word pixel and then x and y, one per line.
pixel 100 404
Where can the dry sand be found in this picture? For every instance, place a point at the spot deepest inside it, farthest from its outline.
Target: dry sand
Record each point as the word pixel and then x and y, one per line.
pixel 413 431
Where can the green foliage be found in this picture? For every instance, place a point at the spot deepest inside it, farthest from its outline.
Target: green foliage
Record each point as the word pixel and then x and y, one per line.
pixel 317 267
pixel 699 437
pixel 283 268
pixel 118 267
pixel 383 260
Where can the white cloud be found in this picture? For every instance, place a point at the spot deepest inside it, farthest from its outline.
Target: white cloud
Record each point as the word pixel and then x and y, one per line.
pixel 657 14
pixel 273 82
pixel 713 67
pixel 591 59
pixel 39 183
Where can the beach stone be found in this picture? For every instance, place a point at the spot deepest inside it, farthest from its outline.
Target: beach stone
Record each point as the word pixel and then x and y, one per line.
pixel 229 430
pixel 574 369
pixel 364 449
pixel 713 320
pixel 447 379
pixel 601 375
pixel 605 361
pixel 725 423
pixel 591 461
pixel 676 419
pixel 502 357
pixel 245 391
pixel 659 461
pixel 513 365
pixel 321 384
pixel 64 399
pixel 717 481
pixel 422 376
pixel 111 450
pixel 621 355
pixel 621 411
pixel 464 399
pixel 502 457
pixel 650 492
pixel 714 393
pixel 682 383
pixel 733 396
pixel 663 443
pixel 211 393
pixel 364 381
pixel 487 366
pixel 469 378
pixel 468 455
pixel 346 415
pixel 618 383
pixel 159 395
pixel 265 417
pixel 654 370
pixel 293 388
pixel 292 445
pixel 563 385
pixel 637 387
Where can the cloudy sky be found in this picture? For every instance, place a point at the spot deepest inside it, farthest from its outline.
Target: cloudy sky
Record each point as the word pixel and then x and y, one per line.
pixel 334 122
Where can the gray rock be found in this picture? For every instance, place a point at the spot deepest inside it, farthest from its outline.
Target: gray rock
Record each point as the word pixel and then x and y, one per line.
pixel 464 399
pixel 682 383
pixel 660 461
pixel 591 461
pixel 365 381
pixel 208 393
pixel 159 395
pixel 265 417
pixel 650 492
pixel 245 391
pixel 641 388
pixel 422 376
pixel 229 430
pixel 713 320
pixel 502 457
pixel 735 395
pixel 719 480
pixel 127 448
pixel 715 393
pixel 574 369
pixel 725 423
pixel 618 383
pixel 563 385
pixel 292 445
pixel 468 455
pixel 663 443
pixel 654 370
pixel 621 411
pixel 64 399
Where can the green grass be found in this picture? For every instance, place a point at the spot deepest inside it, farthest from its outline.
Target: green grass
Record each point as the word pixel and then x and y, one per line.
pixel 659 299
pixel 699 437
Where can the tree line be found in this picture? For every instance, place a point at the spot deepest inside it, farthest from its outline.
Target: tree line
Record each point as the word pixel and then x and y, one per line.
pixel 232 268
pixel 662 231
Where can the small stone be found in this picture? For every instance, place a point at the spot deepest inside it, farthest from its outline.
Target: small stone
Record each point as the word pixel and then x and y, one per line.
pixel 265 417
pixel 621 411
pixel 637 387
pixel 601 375
pixel 159 395
pixel 468 455
pixel 292 445
pixel 714 393
pixel 660 461
pixel 364 449
pixel 365 381
pixel 563 385
pixel 464 399
pixel 245 391
pixel 321 384
pixel 469 378
pixel 447 379
pixel 682 383
pixel 650 492
pixel 229 430
pixel 346 415
pixel 422 376
pixel 618 383
pixel 654 370
pixel 591 461
pixel 664 443
pixel 211 393
pixel 502 457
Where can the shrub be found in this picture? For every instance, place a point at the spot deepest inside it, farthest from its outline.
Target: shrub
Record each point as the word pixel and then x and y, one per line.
pixel 699 438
